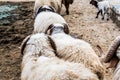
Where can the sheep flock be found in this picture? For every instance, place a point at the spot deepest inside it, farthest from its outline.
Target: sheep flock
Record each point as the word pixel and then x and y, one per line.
pixel 51 53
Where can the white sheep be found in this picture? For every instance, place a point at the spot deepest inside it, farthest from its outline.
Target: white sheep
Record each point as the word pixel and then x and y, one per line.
pixel 44 8
pixel 104 7
pixel 44 19
pixel 56 4
pixel 75 50
pixel 40 62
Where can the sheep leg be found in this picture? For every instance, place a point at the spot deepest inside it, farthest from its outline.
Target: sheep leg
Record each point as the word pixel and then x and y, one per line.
pixel 107 13
pixel 67 7
pixel 108 16
pixel 98 13
pixel 102 14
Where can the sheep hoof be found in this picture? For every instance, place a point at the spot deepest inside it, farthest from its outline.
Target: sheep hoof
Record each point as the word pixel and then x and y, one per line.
pixel 107 19
pixel 102 18
pixel 67 12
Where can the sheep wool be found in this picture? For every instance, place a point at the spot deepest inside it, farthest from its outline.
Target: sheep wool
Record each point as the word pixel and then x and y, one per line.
pixel 57 4
pixel 40 63
pixel 76 50
pixel 45 19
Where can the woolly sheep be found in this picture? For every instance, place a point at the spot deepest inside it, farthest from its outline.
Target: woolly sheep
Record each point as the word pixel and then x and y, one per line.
pixel 44 8
pixel 104 7
pixel 75 50
pixel 56 4
pixel 44 19
pixel 40 62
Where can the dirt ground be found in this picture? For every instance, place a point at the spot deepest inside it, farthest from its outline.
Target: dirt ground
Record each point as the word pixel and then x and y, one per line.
pixel 81 20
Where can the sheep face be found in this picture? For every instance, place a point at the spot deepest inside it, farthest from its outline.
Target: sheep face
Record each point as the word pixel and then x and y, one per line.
pixel 58 28
pixel 45 8
pixel 94 2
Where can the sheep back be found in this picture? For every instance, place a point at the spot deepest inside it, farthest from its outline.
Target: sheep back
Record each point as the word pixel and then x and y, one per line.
pixel 54 3
pixel 75 50
pixel 41 23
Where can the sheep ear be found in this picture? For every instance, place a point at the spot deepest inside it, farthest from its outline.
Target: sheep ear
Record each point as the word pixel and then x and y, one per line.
pixel 100 51
pixel 66 29
pixel 113 62
pixel 23 45
pixel 49 28
pixel 53 45
pixel 52 9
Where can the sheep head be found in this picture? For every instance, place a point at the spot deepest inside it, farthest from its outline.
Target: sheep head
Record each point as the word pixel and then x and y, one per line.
pixel 44 8
pixel 94 2
pixel 58 28
pixel 39 44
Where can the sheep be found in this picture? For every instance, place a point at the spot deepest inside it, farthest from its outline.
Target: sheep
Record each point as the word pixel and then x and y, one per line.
pixel 67 3
pixel 41 63
pixel 113 57
pixel 75 50
pixel 104 7
pixel 44 8
pixel 44 19
pixel 56 4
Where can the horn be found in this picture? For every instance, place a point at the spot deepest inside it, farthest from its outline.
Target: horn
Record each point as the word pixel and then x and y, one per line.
pixel 53 45
pixel 112 50
pixel 38 11
pixel 49 28
pixel 23 45
pixel 100 50
pixel 52 9
pixel 66 29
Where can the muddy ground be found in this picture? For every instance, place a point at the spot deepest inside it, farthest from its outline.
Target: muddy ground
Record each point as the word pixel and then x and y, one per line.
pixel 11 36
pixel 81 20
